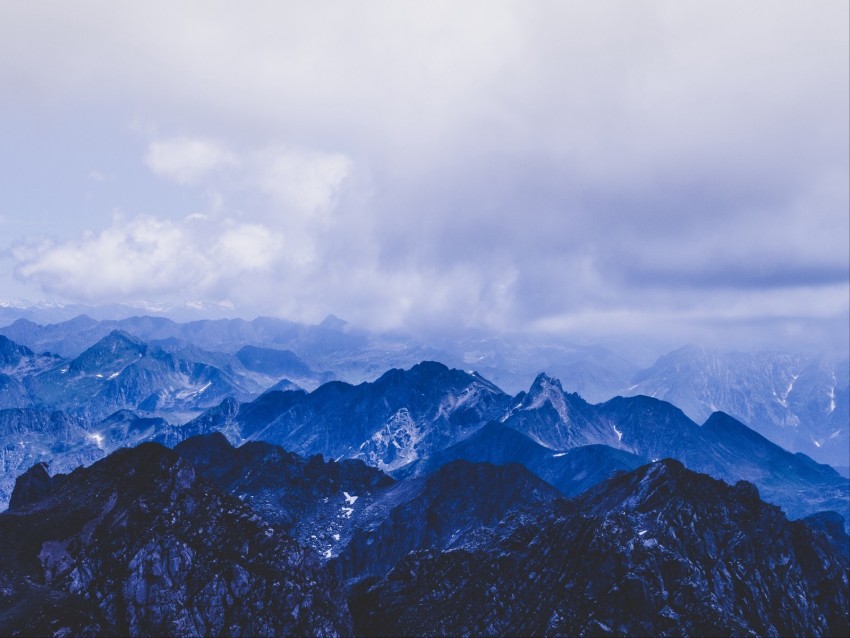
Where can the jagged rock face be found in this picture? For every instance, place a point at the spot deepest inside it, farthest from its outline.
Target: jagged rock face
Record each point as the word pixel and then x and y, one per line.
pixel 389 423
pixel 313 500
pixel 355 514
pixel 831 524
pixel 11 353
pixel 554 418
pixel 141 543
pixel 18 360
pixel 659 551
pixel 31 486
pixel 16 363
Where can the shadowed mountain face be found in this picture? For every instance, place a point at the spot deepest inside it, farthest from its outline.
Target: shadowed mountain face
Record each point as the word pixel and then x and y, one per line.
pixel 148 541
pixel 139 544
pixel 308 498
pixel 444 510
pixel 571 472
pixel 657 551
pixel 355 514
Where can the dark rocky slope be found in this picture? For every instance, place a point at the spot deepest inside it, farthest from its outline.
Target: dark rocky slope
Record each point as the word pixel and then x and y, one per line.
pixel 658 551
pixel 139 544
pixel 309 498
pixel 444 510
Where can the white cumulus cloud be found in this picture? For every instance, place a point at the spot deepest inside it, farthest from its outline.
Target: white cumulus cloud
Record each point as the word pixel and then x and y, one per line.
pixel 145 256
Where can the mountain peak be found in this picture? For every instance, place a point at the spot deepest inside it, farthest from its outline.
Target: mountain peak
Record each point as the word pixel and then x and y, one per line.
pixel 332 322
pixel 430 368
pixel 543 383
pixel 31 486
pixel 110 354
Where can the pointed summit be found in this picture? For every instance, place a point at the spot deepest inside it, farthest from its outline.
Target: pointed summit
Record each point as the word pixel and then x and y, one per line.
pixel 31 486
pixel 332 322
pixel 111 354
pixel 545 385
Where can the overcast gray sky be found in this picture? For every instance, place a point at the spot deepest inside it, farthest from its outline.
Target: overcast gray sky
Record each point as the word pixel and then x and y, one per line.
pixel 676 169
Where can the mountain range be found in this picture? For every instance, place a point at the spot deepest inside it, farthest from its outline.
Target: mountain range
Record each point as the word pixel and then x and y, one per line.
pixel 405 421
pixel 411 422
pixel 800 401
pixel 206 539
pixel 222 477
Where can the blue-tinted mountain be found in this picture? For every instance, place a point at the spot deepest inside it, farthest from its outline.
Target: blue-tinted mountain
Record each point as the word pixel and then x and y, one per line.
pixel 11 354
pixel 122 372
pixel 279 363
pixel 33 435
pixel 67 338
pixel 571 472
pixel 389 423
pixel 556 419
pixel 284 385
pixel 799 401
pixel 355 514
pixel 125 428
pixel 653 429
pixel 139 544
pixel 658 551
pixel 275 369
pixel 16 363
pixel 308 498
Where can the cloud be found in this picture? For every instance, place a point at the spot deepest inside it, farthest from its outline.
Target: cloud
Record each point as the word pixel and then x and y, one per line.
pixel 143 257
pixel 512 165
pixel 187 160
pixel 302 181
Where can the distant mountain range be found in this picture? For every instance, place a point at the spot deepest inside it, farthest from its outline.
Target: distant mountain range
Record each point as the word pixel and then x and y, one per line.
pixel 122 391
pixel 799 401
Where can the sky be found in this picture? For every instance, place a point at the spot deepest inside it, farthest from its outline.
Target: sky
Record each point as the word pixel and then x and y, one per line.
pixel 672 170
